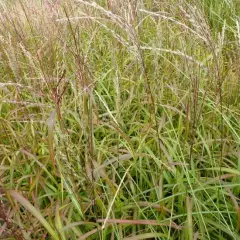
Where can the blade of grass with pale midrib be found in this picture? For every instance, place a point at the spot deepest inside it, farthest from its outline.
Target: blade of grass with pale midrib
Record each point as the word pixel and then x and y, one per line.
pixel 26 204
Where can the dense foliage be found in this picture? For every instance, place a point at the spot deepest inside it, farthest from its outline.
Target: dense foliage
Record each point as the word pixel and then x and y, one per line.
pixel 120 119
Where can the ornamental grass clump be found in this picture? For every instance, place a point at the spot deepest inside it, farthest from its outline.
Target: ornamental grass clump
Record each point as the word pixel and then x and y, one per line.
pixel 119 119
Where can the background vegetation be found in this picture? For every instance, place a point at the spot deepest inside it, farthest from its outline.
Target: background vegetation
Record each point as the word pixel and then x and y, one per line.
pixel 120 119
